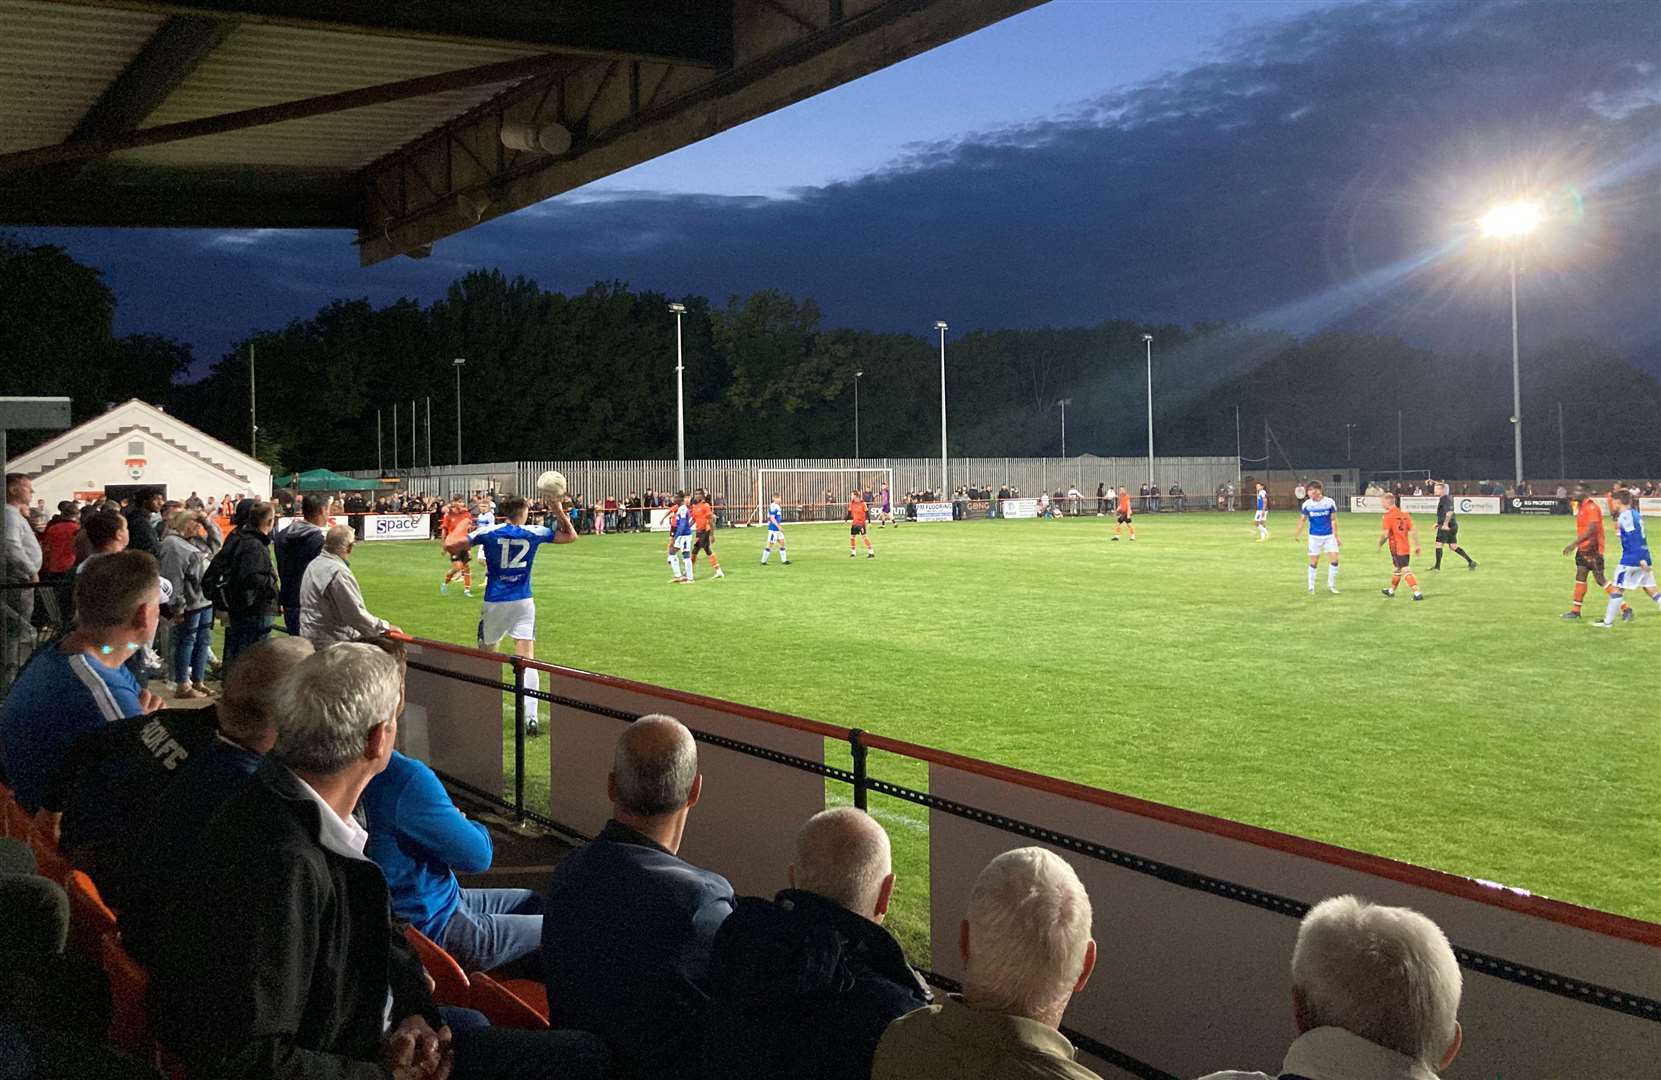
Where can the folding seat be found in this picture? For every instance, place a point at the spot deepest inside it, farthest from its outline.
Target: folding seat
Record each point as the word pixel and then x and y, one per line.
pixel 450 983
pixel 502 1007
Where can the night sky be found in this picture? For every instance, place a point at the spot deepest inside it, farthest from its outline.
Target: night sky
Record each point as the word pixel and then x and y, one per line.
pixel 1294 165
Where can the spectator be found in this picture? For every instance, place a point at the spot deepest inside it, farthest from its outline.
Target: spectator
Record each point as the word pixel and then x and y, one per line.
pixel 331 604
pixel 419 839
pixel 1375 994
pixel 295 548
pixel 82 684
pixel 194 502
pixel 140 876
pixel 1026 950
pixel 1101 498
pixel 182 566
pixel 629 925
pixel 311 977
pixel 804 985
pixel 21 564
pixel 141 522
pixel 57 548
pixel 242 574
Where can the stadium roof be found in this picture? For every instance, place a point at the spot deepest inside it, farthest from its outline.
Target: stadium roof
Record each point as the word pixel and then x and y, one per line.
pixel 390 118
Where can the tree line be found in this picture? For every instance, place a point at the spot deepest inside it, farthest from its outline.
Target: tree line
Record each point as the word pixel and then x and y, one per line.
pixel 591 375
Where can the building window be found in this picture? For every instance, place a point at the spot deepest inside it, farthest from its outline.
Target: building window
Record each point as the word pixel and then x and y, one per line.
pixel 135 449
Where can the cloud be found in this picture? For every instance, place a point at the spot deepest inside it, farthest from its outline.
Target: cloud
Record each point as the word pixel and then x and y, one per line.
pixel 1321 171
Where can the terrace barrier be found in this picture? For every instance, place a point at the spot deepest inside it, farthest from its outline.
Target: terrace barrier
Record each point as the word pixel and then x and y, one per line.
pixel 1195 916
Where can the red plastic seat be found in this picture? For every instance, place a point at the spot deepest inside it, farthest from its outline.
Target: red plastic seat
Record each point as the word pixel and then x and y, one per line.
pixel 450 983
pixel 530 991
pixel 90 919
pixel 502 1007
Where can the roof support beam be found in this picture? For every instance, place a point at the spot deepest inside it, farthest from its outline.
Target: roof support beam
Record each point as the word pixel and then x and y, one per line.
pixel 167 59
pixel 104 145
pixel 696 33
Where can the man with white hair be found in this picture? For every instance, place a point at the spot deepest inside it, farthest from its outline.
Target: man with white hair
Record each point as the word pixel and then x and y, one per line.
pixel 804 985
pixel 331 604
pixel 628 924
pixel 280 957
pixel 1375 996
pixel 1026 950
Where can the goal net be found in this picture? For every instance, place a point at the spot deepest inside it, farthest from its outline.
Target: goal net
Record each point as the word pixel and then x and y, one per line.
pixel 819 495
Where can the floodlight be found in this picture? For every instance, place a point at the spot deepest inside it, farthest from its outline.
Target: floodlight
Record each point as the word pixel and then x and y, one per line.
pixel 678 309
pixel 1512 219
pixel 940 326
pixel 1147 337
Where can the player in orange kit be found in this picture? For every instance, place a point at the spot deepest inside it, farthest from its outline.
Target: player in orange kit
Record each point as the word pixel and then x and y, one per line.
pixel 1587 549
pixel 1125 515
pixel 856 527
pixel 703 524
pixel 456 525
pixel 1403 539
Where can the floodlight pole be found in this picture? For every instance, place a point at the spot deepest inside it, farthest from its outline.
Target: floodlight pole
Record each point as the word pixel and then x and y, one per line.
pixel 380 469
pixel 429 431
pixel 680 399
pixel 253 415
pixel 1064 402
pixel 945 486
pixel 1516 379
pixel 458 362
pixel 857 374
pixel 1147 339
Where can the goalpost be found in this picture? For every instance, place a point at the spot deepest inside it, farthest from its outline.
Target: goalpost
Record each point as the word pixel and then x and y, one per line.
pixel 802 493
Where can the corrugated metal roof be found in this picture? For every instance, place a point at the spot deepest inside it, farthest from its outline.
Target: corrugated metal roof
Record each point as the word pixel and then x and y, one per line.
pixel 54 63
pixel 264 65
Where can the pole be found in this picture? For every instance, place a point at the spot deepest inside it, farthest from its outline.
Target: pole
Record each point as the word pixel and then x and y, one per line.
pixel 1147 339
pixel 945 493
pixel 1562 469
pixel 412 426
pixel 458 412
pixel 680 407
pixel 856 419
pixel 1063 428
pixel 394 438
pixel 1239 448
pixel 1400 472
pixel 380 468
pixel 429 431
pixel 1516 380
pixel 253 416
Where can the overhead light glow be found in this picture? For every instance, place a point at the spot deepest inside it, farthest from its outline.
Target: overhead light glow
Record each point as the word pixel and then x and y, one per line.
pixel 1513 219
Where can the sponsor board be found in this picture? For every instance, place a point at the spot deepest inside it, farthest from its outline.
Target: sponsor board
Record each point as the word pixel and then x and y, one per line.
pixel 1648 505
pixel 660 518
pixel 934 511
pixel 1519 505
pixel 1018 508
pixel 285 522
pixel 396 527
pixel 1478 504
pixel 1413 504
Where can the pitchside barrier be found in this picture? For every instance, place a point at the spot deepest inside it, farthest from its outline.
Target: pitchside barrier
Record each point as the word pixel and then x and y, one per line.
pixel 1195 916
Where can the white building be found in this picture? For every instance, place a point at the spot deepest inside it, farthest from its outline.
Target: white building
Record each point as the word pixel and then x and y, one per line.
pixel 135 445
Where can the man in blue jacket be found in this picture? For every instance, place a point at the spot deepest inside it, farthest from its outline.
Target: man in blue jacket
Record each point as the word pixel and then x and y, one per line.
pixel 419 839
pixel 626 940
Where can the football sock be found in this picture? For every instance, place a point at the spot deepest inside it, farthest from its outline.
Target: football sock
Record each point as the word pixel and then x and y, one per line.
pixel 1262 532
pixel 1579 595
pixel 784 556
pixel 1331 574
pixel 467 579
pixel 1413 583
pixel 1312 578
pixel 1395 580
pixel 1438 559
pixel 713 565
pixel 533 682
pixel 674 564
pixel 1461 553
pixel 766 551
pixel 1614 608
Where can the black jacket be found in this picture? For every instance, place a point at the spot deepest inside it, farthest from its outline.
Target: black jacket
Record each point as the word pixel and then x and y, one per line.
pixel 296 546
pixel 141 535
pixel 279 953
pixel 802 987
pixel 250 581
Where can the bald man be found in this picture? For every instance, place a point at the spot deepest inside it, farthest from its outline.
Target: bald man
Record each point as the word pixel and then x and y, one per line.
pixel 628 924
pixel 804 984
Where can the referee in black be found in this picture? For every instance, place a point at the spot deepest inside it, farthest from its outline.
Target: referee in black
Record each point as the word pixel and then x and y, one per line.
pixel 1447 529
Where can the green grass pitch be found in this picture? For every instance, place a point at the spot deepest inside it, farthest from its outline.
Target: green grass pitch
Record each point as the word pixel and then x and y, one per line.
pixel 1475 732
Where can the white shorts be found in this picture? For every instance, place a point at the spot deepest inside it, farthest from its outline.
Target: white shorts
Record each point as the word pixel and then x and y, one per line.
pixel 775 536
pixel 683 544
pixel 507 618
pixel 1318 544
pixel 1261 515
pixel 1634 577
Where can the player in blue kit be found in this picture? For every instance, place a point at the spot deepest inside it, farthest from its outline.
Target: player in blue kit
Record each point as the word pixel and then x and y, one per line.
pixel 1261 518
pixel 680 540
pixel 1637 566
pixel 1322 515
pixel 509 547
pixel 775 532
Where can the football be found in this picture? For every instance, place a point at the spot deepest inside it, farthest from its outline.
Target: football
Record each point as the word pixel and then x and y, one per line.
pixel 551 484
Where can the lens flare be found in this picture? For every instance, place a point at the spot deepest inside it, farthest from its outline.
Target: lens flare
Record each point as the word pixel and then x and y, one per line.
pixel 1512 219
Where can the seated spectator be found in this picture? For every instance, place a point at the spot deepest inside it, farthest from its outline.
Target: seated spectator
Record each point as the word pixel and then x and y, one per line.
pixel 1375 996
pixel 279 956
pixel 139 877
pixel 628 929
pixel 804 985
pixel 76 688
pixel 331 604
pixel 420 840
pixel 1026 950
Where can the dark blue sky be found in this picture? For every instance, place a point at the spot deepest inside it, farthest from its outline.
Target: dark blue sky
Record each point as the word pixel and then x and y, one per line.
pixel 1297 165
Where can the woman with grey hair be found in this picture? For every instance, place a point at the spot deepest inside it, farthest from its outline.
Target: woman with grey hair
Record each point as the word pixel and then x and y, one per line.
pixel 182 565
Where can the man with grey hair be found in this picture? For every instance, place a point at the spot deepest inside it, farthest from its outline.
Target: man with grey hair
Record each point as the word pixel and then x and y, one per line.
pixel 331 604
pixel 1026 950
pixel 280 957
pixel 804 985
pixel 628 924
pixel 1375 996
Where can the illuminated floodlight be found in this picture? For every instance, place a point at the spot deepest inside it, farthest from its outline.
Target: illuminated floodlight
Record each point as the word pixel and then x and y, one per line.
pixel 1510 220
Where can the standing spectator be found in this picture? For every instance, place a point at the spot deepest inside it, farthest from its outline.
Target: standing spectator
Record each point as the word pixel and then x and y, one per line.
pixel 1179 500
pixel 1375 994
pixel 805 984
pixel 182 566
pixel 141 523
pixel 243 576
pixel 1101 498
pixel 57 548
pixel 1073 498
pixel 331 604
pixel 1147 503
pixel 22 561
pixel 295 547
pixel 628 926
pixel 1026 950
pixel 194 502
